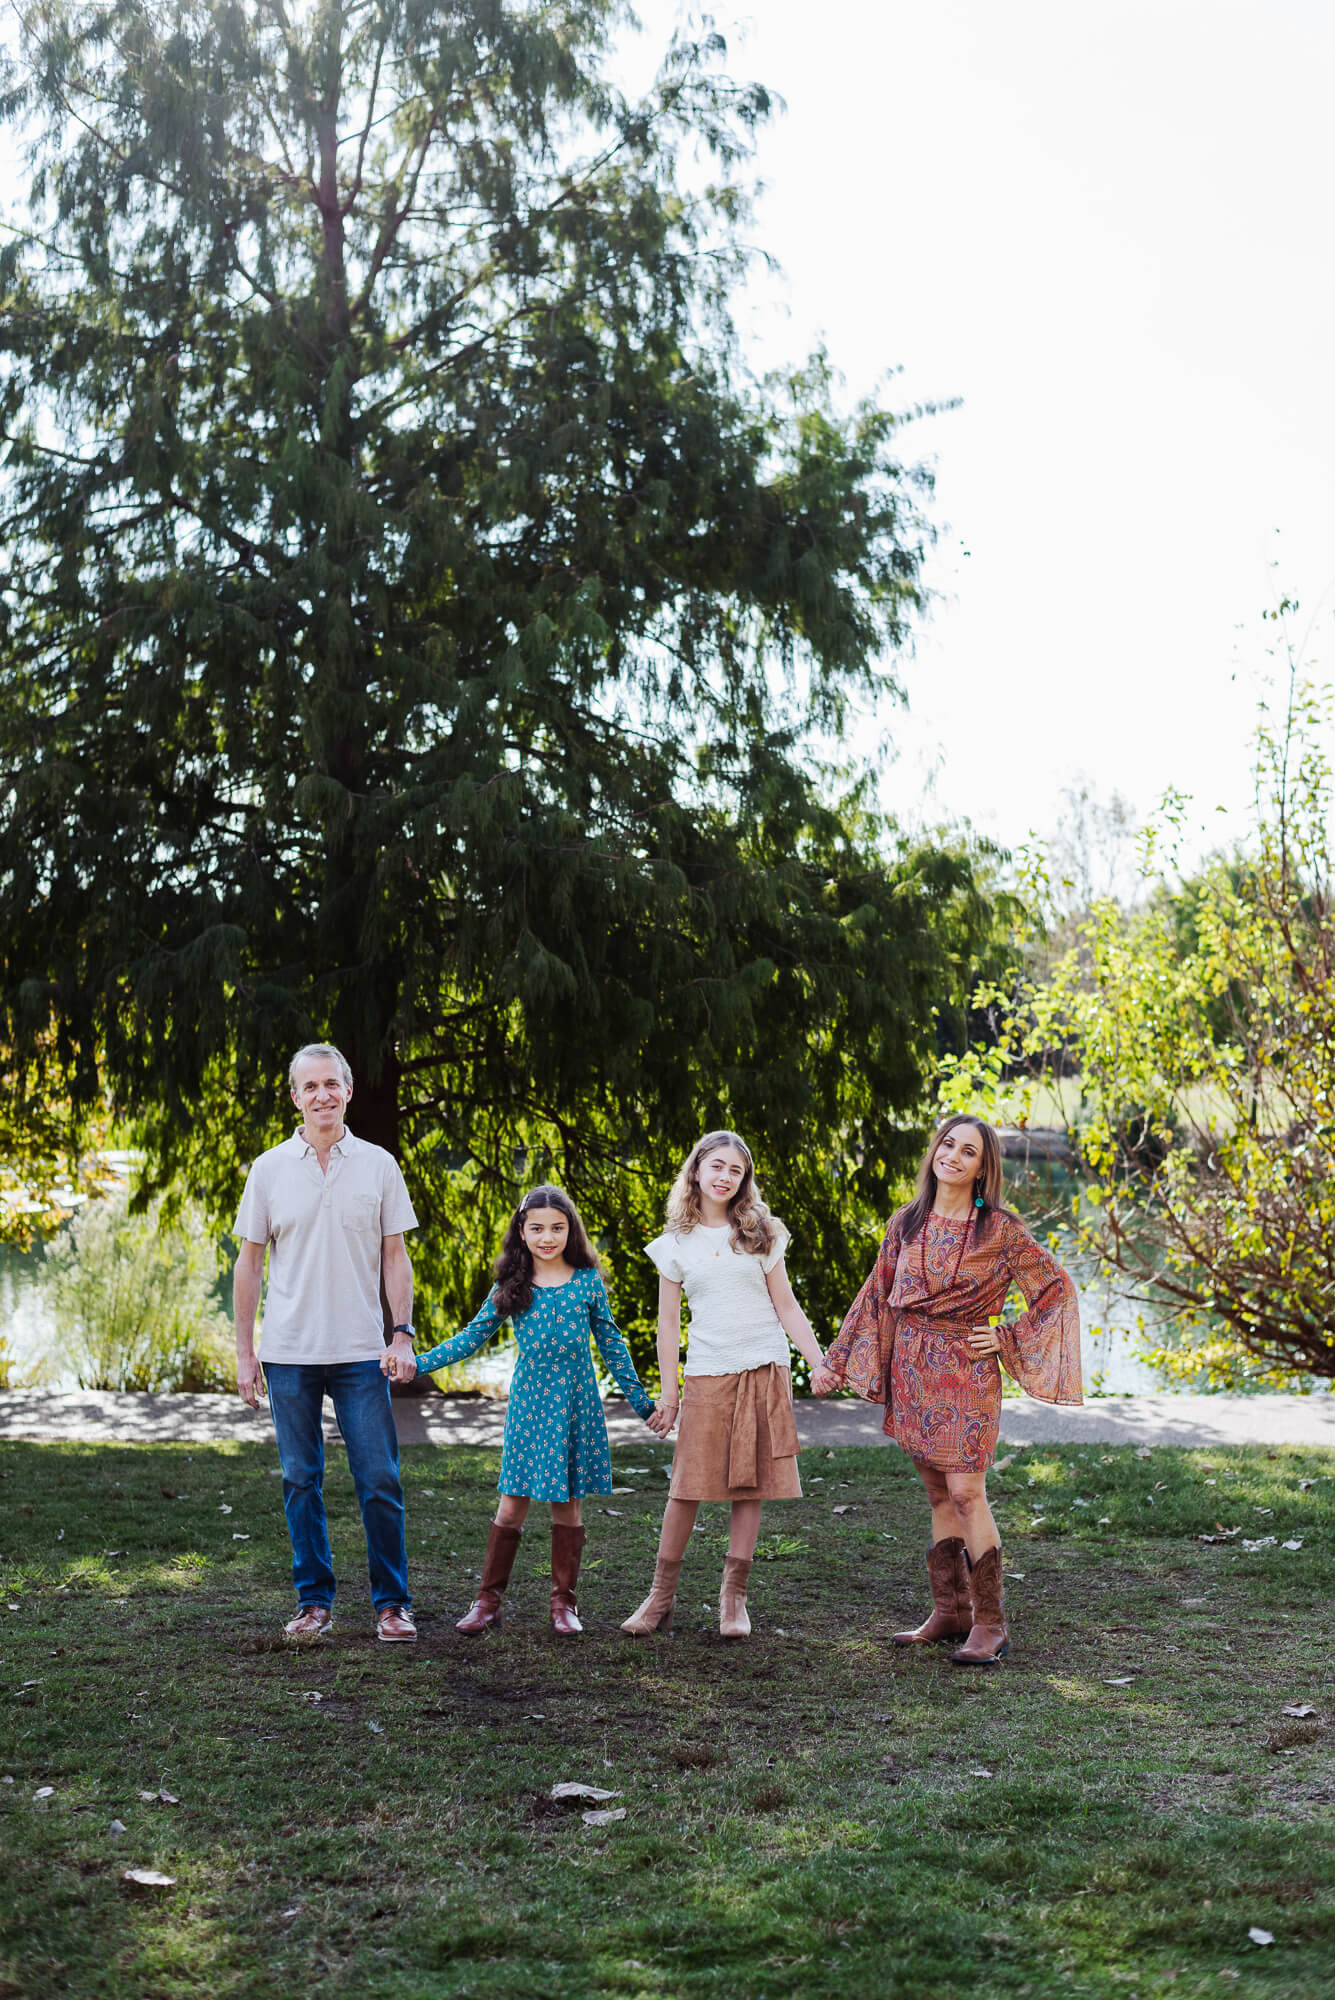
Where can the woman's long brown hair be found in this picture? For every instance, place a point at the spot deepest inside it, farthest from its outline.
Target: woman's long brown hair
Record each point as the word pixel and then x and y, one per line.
pixel 514 1266
pixel 910 1219
pixel 753 1229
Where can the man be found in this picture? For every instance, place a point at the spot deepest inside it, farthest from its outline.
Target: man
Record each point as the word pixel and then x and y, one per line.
pixel 331 1211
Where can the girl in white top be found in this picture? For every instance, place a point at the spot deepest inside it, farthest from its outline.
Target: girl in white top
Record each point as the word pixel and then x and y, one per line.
pixel 738 1439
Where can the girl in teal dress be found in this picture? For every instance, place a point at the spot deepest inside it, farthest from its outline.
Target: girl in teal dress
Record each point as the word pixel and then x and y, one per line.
pixel 549 1287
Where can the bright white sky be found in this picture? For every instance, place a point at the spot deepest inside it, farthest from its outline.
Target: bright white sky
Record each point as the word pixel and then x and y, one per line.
pixel 1107 230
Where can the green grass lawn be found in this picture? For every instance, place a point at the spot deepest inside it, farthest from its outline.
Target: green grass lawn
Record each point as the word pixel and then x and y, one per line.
pixel 815 1813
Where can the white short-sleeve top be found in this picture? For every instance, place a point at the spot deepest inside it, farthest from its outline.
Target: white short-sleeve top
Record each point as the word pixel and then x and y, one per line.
pixel 733 1324
pixel 325 1235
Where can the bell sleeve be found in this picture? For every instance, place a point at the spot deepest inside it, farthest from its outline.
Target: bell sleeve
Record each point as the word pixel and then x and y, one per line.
pixel 611 1345
pixel 860 1352
pixel 476 1334
pixel 1041 1349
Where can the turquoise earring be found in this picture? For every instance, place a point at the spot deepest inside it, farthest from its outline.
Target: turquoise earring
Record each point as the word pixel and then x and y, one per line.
pixel 977 1197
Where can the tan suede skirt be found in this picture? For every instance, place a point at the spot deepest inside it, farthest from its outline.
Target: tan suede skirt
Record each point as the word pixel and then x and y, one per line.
pixel 738 1437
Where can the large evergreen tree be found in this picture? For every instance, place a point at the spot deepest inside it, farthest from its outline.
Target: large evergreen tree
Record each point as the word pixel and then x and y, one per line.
pixel 417 614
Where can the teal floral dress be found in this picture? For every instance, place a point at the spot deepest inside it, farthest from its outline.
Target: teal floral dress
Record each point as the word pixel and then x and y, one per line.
pixel 555 1436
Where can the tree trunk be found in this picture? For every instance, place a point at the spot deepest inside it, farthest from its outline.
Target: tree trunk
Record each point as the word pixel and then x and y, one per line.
pixel 374 1111
pixel 374 1116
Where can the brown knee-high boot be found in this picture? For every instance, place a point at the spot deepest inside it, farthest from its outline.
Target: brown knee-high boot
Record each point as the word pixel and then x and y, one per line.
pixel 990 1638
pixel 951 1616
pixel 484 1613
pixel 567 1548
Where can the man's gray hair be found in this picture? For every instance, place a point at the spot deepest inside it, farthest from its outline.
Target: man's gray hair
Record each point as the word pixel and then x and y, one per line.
pixel 322 1049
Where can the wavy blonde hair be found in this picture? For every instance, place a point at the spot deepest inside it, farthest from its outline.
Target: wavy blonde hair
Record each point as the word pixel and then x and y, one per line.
pixel 753 1229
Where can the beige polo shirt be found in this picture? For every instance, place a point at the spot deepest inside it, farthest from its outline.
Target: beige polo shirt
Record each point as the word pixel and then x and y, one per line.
pixel 323 1231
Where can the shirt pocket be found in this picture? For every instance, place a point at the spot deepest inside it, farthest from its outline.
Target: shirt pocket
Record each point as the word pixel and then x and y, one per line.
pixel 361 1213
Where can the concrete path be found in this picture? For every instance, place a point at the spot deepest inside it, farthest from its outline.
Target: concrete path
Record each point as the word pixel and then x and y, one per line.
pixel 88 1416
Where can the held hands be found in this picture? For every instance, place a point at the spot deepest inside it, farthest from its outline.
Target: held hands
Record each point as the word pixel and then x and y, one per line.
pixel 663 1416
pixel 398 1361
pixel 823 1379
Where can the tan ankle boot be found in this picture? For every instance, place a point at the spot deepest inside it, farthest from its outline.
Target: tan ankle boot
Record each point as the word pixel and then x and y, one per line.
pixel 733 1622
pixel 567 1548
pixel 655 1614
pixel 989 1639
pixel 484 1614
pixel 952 1613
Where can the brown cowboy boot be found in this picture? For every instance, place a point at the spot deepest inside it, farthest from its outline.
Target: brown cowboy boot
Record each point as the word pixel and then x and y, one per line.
pixel 952 1613
pixel 655 1614
pixel 567 1547
pixel 484 1613
pixel 733 1622
pixel 990 1637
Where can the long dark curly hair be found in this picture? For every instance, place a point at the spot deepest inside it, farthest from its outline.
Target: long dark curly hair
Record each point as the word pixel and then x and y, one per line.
pixel 514 1266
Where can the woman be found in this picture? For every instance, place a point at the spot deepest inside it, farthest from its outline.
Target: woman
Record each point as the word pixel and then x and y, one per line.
pixel 917 1338
pixel 738 1439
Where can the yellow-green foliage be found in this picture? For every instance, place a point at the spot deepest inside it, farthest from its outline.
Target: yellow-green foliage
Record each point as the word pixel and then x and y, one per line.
pixel 131 1297
pixel 47 1151
pixel 1190 1043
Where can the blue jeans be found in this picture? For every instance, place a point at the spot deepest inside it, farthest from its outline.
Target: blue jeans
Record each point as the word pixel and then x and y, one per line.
pixel 360 1396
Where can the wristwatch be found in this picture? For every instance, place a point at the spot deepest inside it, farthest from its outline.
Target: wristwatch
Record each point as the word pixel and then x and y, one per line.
pixel 406 1326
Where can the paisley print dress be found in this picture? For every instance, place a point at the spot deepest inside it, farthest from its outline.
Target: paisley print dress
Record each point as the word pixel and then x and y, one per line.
pixel 904 1340
pixel 555 1436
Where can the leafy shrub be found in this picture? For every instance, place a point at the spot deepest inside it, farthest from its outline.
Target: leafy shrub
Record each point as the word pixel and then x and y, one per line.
pixel 132 1298
pixel 1203 1038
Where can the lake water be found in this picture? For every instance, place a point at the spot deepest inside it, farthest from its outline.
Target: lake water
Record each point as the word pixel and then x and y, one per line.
pixel 1112 1366
pixel 28 1327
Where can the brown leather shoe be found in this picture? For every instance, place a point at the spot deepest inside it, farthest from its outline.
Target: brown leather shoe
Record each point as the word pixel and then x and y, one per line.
pixel 394 1624
pixel 312 1622
pixel 567 1548
pixel 989 1640
pixel 484 1613
pixel 655 1614
pixel 952 1613
pixel 733 1621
